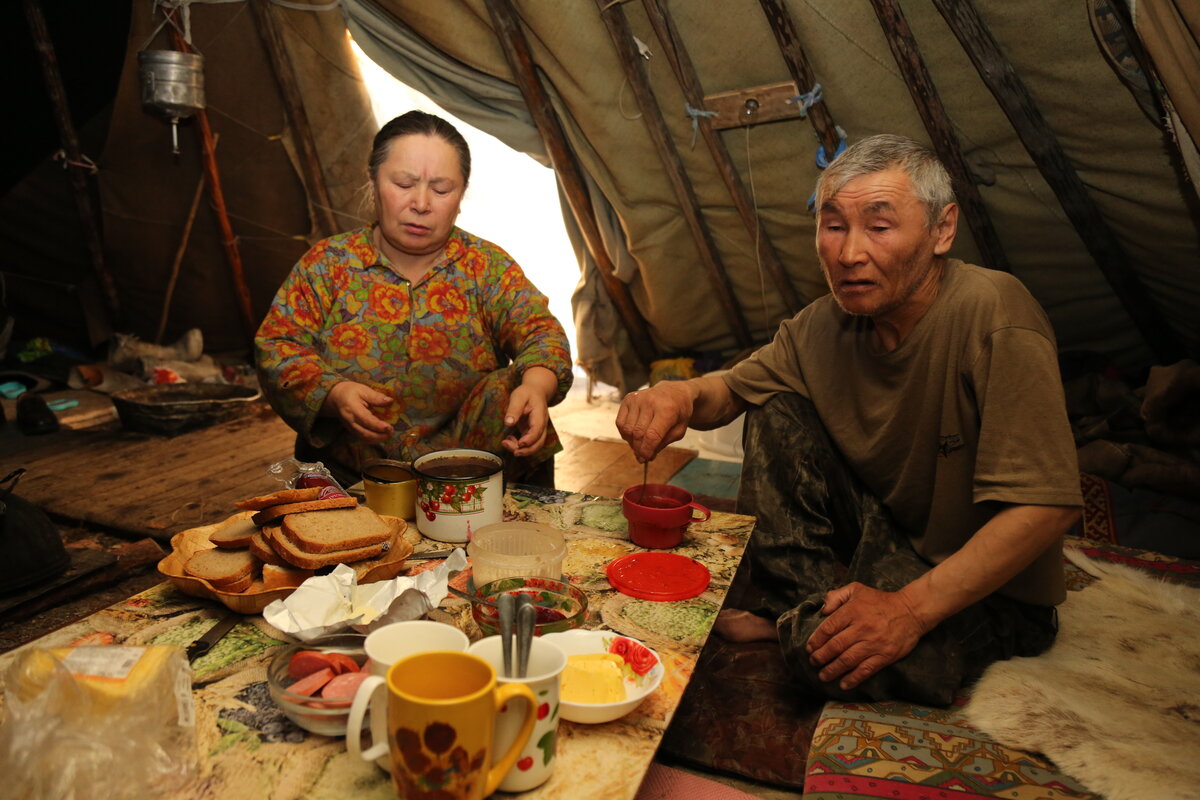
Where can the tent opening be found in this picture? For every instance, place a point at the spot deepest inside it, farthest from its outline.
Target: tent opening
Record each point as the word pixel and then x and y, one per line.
pixel 512 200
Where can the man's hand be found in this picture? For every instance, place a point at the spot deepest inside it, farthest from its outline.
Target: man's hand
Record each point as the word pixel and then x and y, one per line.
pixel 351 402
pixel 652 418
pixel 529 411
pixel 864 631
pixel 735 625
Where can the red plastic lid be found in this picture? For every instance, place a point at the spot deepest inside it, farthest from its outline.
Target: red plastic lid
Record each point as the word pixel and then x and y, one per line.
pixel 658 576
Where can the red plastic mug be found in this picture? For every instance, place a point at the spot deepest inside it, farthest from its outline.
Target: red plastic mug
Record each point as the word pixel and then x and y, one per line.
pixel 659 514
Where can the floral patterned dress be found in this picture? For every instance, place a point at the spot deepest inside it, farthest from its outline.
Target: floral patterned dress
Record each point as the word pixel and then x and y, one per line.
pixel 447 349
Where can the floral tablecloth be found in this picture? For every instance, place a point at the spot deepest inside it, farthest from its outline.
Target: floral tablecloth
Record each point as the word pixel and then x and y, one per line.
pixel 249 749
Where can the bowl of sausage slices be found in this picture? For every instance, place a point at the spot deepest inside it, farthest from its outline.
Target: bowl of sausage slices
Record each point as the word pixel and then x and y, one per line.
pixel 314 683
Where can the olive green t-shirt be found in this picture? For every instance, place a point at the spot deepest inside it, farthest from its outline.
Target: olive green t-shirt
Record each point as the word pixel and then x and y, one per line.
pixel 968 409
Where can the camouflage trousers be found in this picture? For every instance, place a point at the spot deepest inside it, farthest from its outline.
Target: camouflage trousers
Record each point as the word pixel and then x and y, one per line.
pixel 818 527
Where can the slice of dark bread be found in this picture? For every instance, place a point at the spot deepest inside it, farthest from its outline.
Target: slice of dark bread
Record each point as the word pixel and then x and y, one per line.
pixel 272 513
pixel 234 533
pixel 222 567
pixel 279 498
pixel 260 546
pixel 289 552
pixel 340 529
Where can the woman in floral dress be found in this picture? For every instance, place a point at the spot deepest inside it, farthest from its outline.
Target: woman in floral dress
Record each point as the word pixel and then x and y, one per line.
pixel 410 334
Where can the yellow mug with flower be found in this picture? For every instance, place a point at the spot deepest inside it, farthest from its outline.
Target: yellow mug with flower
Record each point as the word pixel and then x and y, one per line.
pixel 442 707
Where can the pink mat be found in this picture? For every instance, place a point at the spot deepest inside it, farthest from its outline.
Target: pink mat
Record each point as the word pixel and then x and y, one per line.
pixel 666 783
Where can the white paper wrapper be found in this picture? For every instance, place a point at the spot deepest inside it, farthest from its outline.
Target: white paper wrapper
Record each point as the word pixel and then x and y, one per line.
pixel 334 602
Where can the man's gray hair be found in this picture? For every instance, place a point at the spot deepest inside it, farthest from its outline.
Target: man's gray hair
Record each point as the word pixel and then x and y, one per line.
pixel 929 179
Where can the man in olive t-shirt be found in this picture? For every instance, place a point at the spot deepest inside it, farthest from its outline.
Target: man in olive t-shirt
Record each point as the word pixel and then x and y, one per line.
pixel 908 455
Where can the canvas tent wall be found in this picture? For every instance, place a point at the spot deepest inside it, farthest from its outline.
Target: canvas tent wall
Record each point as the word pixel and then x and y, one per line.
pixel 449 49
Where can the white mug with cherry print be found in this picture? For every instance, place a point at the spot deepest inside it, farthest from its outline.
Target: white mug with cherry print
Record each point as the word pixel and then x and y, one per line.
pixel 543 677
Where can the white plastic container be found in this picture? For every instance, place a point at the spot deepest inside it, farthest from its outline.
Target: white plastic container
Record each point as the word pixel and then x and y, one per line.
pixel 514 549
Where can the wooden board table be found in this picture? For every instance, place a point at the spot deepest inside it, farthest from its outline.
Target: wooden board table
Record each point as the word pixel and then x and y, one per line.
pixel 149 485
pixel 248 749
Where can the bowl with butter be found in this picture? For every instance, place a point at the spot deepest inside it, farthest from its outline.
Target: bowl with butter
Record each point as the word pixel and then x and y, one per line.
pixel 607 675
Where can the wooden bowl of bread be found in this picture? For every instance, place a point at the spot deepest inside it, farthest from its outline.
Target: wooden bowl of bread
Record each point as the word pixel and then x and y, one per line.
pixel 277 541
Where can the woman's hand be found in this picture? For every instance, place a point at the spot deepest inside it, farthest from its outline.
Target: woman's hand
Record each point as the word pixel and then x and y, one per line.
pixel 351 403
pixel 529 411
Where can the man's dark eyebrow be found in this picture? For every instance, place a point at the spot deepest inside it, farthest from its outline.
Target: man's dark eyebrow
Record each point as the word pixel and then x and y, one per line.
pixel 831 207
pixel 879 205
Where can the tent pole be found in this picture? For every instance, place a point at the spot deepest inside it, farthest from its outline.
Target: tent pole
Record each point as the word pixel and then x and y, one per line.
pixel 925 96
pixel 306 146
pixel 228 240
pixel 180 251
pixel 618 28
pixel 689 81
pixel 520 61
pixel 74 162
pixel 1059 173
pixel 797 64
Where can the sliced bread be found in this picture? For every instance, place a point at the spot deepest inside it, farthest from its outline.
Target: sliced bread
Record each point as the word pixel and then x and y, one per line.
pixel 272 513
pixel 261 547
pixel 279 498
pixel 341 529
pixel 289 552
pixel 280 577
pixel 239 586
pixel 234 533
pixel 222 567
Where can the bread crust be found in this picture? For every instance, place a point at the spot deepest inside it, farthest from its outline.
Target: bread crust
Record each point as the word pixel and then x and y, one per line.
pixel 342 529
pixel 272 513
pixel 222 568
pixel 279 498
pixel 289 552
pixel 234 534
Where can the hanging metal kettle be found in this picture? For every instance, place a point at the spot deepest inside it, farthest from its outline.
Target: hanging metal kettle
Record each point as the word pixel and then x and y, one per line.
pixel 172 83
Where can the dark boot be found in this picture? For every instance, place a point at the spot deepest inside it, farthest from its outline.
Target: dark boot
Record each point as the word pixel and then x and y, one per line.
pixel 34 416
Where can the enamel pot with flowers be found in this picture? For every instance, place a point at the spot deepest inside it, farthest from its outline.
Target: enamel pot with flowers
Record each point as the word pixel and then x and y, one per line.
pixel 458 491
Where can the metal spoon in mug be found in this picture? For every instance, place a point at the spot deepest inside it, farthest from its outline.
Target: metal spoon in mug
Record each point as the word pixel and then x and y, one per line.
pixel 506 603
pixel 645 475
pixel 526 623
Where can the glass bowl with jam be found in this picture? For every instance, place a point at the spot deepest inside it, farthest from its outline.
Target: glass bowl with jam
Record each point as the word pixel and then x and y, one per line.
pixel 560 606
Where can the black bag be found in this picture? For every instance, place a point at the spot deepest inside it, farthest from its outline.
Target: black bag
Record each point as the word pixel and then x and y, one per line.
pixel 31 548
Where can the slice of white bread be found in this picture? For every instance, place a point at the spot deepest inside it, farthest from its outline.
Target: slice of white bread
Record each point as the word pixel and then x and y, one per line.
pixel 278 498
pixel 272 513
pixel 223 568
pixel 289 552
pixel 260 546
pixel 340 529
pixel 234 533
pixel 279 577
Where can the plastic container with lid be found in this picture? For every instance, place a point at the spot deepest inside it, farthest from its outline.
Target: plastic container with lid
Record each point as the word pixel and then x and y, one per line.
pixel 511 549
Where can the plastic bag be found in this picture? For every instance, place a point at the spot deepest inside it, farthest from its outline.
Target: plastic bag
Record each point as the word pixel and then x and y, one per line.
pixel 97 723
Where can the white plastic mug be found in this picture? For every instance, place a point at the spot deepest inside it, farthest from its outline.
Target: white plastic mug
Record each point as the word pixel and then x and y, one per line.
pixel 543 677
pixel 385 647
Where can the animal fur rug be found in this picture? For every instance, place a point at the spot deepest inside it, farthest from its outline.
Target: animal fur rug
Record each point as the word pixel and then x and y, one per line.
pixel 1115 703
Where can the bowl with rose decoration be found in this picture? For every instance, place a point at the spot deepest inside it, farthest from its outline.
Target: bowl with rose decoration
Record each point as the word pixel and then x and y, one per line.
pixel 636 666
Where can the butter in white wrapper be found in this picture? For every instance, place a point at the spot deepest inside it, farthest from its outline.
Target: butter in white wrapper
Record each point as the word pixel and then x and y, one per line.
pixel 332 603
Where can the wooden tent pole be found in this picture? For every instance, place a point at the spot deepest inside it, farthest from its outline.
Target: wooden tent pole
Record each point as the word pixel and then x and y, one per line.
pixel 618 28
pixel 1035 133
pixel 74 163
pixel 801 71
pixel 180 251
pixel 693 92
pixel 937 124
pixel 306 146
pixel 228 240
pixel 520 61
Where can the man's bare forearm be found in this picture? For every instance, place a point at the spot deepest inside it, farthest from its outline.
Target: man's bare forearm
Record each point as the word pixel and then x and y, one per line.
pixel 714 403
pixel 1008 543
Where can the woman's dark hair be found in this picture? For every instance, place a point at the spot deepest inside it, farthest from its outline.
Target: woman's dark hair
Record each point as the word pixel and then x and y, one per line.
pixel 420 123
